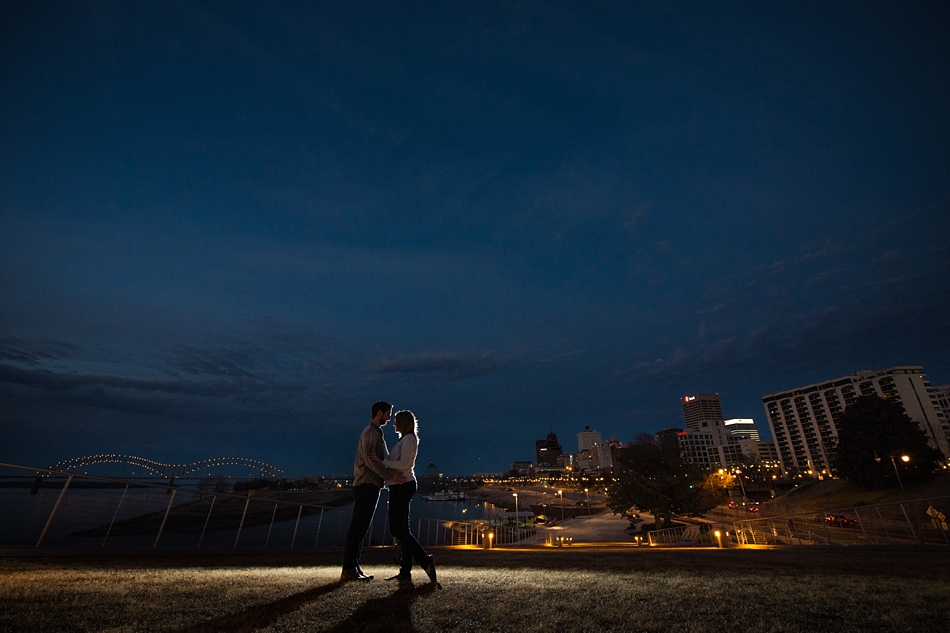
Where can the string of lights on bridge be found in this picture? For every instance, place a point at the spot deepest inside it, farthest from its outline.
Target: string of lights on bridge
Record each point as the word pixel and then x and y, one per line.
pixel 166 470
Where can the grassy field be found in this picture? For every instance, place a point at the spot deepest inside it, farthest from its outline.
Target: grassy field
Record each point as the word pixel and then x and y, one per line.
pixel 596 588
pixel 837 493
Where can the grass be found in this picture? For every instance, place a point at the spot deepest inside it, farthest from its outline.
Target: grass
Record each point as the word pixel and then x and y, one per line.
pixel 837 493
pixel 610 589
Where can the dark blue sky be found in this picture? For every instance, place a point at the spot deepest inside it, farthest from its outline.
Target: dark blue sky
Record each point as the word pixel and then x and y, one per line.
pixel 228 228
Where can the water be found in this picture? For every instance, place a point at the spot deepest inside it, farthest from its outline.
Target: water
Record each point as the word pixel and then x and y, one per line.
pixel 24 516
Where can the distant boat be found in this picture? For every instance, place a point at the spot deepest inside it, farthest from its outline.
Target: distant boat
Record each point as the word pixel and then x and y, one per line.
pixel 446 495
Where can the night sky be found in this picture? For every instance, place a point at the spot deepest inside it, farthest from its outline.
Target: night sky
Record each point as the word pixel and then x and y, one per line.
pixel 229 228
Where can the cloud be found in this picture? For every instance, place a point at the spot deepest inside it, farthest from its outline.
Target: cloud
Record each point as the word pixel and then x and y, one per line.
pixel 447 366
pixel 828 248
pixel 21 350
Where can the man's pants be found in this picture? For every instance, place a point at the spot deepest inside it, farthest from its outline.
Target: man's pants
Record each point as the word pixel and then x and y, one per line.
pixel 364 506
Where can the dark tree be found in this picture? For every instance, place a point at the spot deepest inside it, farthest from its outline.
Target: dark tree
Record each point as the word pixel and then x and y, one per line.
pixel 643 438
pixel 872 428
pixel 659 483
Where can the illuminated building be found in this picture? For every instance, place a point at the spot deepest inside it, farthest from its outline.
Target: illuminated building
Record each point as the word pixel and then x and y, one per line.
pixel 587 438
pixel 740 429
pixel 703 413
pixel 802 420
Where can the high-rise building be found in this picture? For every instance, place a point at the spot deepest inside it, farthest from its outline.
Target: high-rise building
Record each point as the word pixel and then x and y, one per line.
pixel 803 420
pixel 703 414
pixel 761 454
pixel 708 451
pixel 740 429
pixel 943 399
pixel 701 408
pixel 587 438
pixel 548 450
pixel 602 455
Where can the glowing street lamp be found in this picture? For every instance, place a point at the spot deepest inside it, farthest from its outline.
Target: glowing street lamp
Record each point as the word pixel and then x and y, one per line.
pixel 904 458
pixel 515 495
pixel 587 492
pixel 561 492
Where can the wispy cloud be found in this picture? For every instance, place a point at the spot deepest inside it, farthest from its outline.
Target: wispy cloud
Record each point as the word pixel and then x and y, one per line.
pixel 447 366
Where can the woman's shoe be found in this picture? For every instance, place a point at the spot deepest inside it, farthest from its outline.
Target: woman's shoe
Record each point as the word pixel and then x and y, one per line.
pixel 430 570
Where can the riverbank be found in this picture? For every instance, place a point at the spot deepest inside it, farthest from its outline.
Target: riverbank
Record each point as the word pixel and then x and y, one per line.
pixel 542 500
pixel 606 589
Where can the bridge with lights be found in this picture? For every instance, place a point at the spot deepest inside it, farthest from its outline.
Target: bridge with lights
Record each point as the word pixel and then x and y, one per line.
pixel 168 471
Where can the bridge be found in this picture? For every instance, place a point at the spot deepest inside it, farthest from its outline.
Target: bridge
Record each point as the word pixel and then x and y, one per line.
pixel 168 471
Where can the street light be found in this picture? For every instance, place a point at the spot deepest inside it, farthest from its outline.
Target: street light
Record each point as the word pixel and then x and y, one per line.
pixel 588 501
pixel 515 495
pixel 561 492
pixel 904 458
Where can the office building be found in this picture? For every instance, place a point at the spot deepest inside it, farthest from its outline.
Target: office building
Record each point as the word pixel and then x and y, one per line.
pixel 701 408
pixel 706 450
pixel 587 438
pixel 802 420
pixel 548 450
pixel 740 429
pixel 703 413
pixel 761 454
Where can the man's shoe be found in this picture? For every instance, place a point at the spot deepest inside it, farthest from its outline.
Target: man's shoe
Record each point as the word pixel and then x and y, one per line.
pixel 359 570
pixel 400 577
pixel 430 570
pixel 349 575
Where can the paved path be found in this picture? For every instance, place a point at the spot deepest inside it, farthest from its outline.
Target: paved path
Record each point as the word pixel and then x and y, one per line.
pixel 599 528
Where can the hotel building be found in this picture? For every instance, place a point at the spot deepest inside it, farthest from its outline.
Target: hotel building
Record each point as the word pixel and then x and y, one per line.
pixel 802 420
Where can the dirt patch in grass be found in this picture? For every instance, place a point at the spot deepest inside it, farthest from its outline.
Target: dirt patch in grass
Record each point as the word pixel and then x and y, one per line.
pixel 802 589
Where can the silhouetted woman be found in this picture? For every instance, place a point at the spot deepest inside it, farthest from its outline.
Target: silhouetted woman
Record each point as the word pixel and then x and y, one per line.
pixel 402 458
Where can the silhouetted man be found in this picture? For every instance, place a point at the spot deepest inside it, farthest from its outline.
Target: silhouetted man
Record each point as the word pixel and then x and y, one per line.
pixel 368 477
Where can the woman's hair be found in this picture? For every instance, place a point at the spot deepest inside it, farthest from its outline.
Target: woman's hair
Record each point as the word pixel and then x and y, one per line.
pixel 406 423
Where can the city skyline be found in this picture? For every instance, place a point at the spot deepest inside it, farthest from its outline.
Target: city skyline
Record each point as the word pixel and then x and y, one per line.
pixel 228 229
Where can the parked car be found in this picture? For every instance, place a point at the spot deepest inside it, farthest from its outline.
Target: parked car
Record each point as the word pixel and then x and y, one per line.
pixel 753 508
pixel 840 520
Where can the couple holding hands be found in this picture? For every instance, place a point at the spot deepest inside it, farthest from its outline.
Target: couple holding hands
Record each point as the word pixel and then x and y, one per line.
pixel 374 467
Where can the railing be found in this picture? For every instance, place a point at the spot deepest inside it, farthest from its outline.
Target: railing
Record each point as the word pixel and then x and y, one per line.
pixel 916 522
pixel 684 535
pixel 48 509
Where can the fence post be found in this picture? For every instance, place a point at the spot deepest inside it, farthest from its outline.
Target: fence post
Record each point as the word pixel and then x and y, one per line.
pixel 339 526
pixel 207 518
pixel 165 518
pixel 883 524
pixel 55 508
pixel 272 516
pixel 111 523
pixel 861 525
pixel 316 539
pixel 910 525
pixel 825 525
pixel 296 525
pixel 241 525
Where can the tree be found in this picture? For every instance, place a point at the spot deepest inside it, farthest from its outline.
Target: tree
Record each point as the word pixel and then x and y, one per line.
pixel 658 483
pixel 872 428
